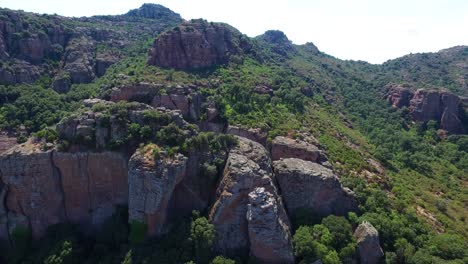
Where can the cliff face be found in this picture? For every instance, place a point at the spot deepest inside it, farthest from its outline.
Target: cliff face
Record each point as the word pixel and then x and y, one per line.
pixel 42 188
pixel 197 44
pixel 426 105
pixel 151 185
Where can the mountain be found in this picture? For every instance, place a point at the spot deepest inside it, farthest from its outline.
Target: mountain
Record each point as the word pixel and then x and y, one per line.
pixel 142 138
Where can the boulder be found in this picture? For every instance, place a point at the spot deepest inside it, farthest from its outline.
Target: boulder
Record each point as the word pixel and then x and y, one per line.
pixel 311 186
pixel 255 134
pixel 283 147
pixel 248 167
pixel 197 44
pixel 151 182
pixel 269 235
pixel 368 244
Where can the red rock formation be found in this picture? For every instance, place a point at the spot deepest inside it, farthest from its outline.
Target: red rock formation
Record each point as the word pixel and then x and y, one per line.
pixel 426 105
pixel 308 185
pixel 369 249
pixel 45 188
pixel 248 167
pixel 151 184
pixel 255 134
pixel 283 147
pixel 197 44
pixel 398 95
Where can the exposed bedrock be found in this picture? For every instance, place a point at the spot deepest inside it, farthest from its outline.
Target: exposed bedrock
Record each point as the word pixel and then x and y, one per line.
pixel 248 167
pixel 45 188
pixel 197 44
pixel 151 182
pixel 270 240
pixel 425 105
pixel 308 185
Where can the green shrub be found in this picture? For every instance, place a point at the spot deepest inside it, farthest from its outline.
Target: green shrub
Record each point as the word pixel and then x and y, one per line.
pixel 138 232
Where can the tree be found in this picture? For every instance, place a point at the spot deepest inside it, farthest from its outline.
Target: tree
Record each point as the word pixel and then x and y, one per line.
pixel 340 230
pixel 302 241
pixel 202 235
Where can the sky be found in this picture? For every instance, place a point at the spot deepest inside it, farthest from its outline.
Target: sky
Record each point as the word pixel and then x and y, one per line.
pixel 368 30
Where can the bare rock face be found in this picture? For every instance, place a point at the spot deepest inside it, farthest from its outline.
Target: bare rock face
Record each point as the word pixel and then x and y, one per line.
pixel 103 61
pixel 398 95
pixel 283 147
pixel 248 167
pixel 151 183
pixel 425 105
pixel 135 92
pixel 93 184
pixel 270 240
pixel 6 142
pixel 369 248
pixel 254 134
pixel 33 197
pixel 79 60
pixel 308 185
pixel 45 188
pixel 197 44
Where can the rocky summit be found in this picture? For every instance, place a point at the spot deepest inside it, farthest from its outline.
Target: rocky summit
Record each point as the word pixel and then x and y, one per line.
pixel 147 138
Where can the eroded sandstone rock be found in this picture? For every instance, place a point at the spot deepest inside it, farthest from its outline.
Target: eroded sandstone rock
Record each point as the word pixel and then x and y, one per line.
pixel 283 147
pixel 425 105
pixel 48 187
pixel 369 249
pixel 248 167
pixel 197 44
pixel 269 234
pixel 151 182
pixel 254 134
pixel 308 185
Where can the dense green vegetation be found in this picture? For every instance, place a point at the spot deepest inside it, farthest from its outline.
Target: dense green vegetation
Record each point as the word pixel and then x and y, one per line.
pixel 418 203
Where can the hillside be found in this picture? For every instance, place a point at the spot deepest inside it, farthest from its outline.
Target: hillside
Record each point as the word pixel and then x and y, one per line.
pixel 146 138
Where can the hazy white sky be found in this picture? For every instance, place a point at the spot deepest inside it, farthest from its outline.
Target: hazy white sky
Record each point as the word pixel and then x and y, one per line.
pixel 370 30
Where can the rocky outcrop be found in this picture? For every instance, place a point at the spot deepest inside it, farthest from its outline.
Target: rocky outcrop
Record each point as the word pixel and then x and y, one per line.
pixel 308 185
pixel 97 129
pixel 278 41
pixel 47 187
pixel 151 182
pixel 368 244
pixel 92 184
pixel 426 105
pixel 103 61
pixel 80 60
pixel 283 147
pixel 141 92
pixel 270 240
pixel 398 95
pixel 255 134
pixel 6 142
pixel 154 11
pixel 248 167
pixel 197 44
pixel 185 99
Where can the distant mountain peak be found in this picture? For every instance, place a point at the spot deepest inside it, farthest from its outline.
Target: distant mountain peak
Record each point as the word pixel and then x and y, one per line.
pixel 153 11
